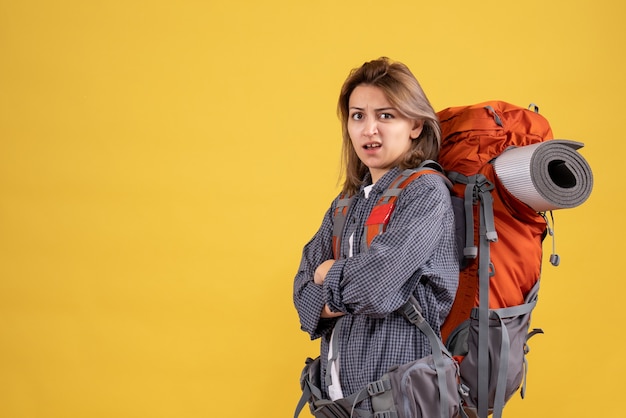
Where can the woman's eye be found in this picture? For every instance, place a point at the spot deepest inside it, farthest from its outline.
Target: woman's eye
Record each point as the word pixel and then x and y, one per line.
pixel 357 116
pixel 386 116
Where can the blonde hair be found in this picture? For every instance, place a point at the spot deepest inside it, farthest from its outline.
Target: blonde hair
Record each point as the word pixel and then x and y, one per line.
pixel 404 93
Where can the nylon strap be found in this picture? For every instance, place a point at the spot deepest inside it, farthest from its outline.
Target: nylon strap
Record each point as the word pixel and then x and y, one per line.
pixel 306 395
pixel 499 315
pixel 486 200
pixel 412 311
pixel 308 390
pixel 523 389
pixel 483 318
pixel 470 250
pixel 508 312
pixel 505 346
pixel 339 222
pixel 513 311
pixel 496 118
pixel 390 195
pixel 386 414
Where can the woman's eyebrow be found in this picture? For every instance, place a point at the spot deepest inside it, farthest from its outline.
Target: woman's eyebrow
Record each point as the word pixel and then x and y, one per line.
pixel 376 110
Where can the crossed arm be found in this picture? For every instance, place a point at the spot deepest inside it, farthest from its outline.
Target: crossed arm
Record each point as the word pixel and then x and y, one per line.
pixel 318 278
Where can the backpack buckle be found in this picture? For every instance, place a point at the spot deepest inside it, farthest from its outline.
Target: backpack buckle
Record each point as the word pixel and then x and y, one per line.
pixel 483 184
pixel 378 387
pixel 412 311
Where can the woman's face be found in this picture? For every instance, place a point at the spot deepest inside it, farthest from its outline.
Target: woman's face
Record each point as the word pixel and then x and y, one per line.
pixel 380 135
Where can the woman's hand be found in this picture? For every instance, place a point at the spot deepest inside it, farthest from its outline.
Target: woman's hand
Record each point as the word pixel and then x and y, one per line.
pixel 318 277
pixel 320 272
pixel 327 313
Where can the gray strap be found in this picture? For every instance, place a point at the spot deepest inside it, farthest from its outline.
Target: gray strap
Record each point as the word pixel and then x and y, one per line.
pixel 412 311
pixel 513 311
pixel 344 202
pixel 478 187
pixel 355 399
pixel 483 319
pixel 364 246
pixel 339 218
pixel 306 394
pixel 487 234
pixel 431 164
pixel 490 228
pixel 508 312
pixel 389 193
pixel 499 314
pixel 526 351
pixel 486 200
pixel 470 251
pixel 504 354
pixel 505 348
pixel 523 389
pixel 386 414
pixel 308 390
pixel 498 403
pixel 394 191
pixel 496 118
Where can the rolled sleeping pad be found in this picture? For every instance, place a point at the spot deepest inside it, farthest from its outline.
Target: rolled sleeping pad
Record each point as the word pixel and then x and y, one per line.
pixel 546 176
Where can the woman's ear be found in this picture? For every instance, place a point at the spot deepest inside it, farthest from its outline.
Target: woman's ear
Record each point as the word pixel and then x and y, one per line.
pixel 417 129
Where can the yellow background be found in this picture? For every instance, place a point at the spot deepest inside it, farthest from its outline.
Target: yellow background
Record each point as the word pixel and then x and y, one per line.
pixel 162 163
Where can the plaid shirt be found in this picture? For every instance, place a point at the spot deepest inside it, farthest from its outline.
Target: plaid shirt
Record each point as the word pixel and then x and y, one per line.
pixel 415 255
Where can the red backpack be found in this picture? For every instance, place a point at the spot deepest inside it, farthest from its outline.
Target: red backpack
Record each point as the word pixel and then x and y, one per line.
pixel 487 328
pixel 472 137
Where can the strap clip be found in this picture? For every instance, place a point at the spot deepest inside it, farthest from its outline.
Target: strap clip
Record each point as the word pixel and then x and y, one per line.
pixel 412 311
pixel 385 414
pixel 378 387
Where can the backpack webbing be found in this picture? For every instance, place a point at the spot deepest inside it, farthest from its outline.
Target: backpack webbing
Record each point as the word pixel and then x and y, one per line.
pixel 478 190
pixel 379 217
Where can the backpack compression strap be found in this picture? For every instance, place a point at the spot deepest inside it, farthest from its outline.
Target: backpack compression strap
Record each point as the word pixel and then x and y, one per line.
pixel 478 191
pixel 412 312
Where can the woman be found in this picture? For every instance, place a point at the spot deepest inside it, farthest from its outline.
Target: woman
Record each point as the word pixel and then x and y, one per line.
pixel 388 126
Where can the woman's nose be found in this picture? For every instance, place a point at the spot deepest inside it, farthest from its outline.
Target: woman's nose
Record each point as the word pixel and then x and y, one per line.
pixel 371 128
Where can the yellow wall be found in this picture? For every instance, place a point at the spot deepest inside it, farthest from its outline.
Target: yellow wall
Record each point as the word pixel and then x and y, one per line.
pixel 162 163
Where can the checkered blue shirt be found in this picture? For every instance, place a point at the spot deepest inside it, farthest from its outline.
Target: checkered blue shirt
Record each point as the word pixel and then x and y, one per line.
pixel 415 255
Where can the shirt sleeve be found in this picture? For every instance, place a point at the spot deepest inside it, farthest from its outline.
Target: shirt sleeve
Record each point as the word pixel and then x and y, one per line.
pixel 308 296
pixel 380 280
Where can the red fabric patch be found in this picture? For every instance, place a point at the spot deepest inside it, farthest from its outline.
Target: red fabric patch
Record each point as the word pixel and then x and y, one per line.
pixel 380 214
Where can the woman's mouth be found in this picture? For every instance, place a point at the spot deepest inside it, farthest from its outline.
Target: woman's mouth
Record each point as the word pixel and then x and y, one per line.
pixel 372 145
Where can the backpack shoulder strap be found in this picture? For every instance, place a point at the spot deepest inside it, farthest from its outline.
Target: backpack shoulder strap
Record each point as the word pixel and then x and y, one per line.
pixel 412 311
pixel 379 217
pixel 381 213
pixel 339 221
